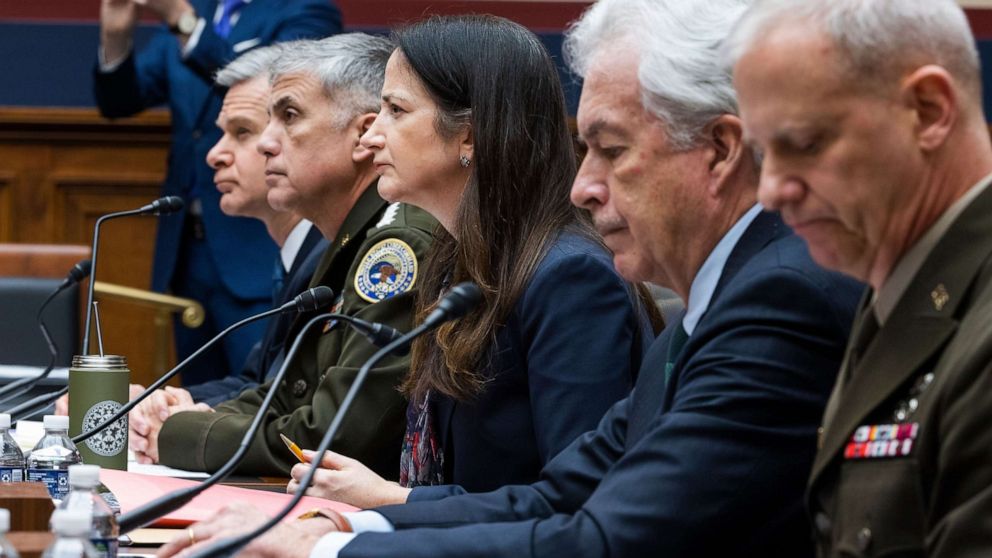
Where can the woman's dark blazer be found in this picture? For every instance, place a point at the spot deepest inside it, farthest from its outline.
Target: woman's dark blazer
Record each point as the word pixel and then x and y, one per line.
pixel 569 350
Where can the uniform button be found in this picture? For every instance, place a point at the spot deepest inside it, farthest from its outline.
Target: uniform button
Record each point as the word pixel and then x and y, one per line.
pixel 322 376
pixel 299 388
pixel 864 539
pixel 823 525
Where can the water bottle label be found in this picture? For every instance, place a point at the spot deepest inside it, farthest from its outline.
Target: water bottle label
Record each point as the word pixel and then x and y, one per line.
pixel 57 482
pixel 105 548
pixel 11 474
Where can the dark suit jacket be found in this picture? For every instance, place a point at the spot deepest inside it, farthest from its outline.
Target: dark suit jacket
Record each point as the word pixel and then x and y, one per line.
pixel 712 465
pixel 158 74
pixel 569 351
pixel 264 359
pixel 928 369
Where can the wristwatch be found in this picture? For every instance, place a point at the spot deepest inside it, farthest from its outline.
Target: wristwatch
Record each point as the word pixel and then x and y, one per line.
pixel 185 24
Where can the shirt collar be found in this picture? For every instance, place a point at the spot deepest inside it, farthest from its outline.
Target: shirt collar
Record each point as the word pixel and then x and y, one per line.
pixel 909 264
pixel 293 243
pixel 704 284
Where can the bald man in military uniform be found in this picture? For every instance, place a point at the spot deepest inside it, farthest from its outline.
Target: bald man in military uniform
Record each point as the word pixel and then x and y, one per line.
pixel 316 166
pixel 876 150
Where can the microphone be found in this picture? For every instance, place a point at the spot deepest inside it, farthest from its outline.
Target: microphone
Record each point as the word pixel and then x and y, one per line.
pixel 457 302
pixel 453 305
pixel 78 272
pixel 161 206
pixel 310 300
pixel 164 504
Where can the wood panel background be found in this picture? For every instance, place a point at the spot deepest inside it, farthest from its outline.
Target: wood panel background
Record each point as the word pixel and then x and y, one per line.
pixel 61 169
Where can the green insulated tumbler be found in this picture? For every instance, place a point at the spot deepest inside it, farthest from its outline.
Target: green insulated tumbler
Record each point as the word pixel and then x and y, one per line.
pixel 98 388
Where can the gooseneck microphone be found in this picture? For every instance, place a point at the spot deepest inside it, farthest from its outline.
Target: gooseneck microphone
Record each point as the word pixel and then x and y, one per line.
pixel 161 206
pixel 307 301
pixel 178 498
pixel 452 306
pixel 78 272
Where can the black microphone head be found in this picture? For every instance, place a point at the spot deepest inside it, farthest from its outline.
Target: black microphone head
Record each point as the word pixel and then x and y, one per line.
pixel 167 205
pixel 314 299
pixel 80 271
pixel 460 300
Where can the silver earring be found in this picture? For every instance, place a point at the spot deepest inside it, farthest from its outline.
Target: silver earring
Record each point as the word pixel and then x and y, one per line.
pixel 464 161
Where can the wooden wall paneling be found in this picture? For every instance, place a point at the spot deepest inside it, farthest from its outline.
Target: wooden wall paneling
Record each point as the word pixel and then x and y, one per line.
pixel 61 169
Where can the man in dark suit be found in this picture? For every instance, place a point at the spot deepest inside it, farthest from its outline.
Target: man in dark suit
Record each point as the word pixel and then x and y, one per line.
pixel 709 454
pixel 203 254
pixel 880 155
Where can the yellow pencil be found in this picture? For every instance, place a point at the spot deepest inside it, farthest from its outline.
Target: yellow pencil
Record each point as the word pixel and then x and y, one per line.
pixel 293 448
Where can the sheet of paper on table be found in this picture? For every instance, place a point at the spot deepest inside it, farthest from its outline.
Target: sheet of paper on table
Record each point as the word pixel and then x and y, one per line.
pixel 133 490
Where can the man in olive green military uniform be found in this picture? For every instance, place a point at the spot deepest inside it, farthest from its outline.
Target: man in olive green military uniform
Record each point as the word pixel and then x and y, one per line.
pixel 324 96
pixel 877 153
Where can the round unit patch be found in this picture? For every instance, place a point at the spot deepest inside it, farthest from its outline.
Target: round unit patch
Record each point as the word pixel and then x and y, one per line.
pixel 388 269
pixel 111 440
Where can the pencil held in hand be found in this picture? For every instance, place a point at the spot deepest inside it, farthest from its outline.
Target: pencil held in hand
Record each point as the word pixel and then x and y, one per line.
pixel 293 448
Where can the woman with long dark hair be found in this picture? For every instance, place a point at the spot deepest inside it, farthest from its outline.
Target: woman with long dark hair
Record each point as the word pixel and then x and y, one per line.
pixel 473 129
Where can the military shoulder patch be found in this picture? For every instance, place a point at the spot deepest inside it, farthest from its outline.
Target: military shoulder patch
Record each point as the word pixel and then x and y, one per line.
pixel 389 268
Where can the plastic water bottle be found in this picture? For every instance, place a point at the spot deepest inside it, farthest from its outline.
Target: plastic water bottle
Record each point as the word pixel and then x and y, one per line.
pixel 72 530
pixel 83 480
pixel 11 457
pixel 49 461
pixel 7 550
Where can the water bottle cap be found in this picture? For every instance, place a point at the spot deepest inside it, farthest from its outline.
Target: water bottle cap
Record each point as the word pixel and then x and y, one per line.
pixel 73 523
pixel 55 422
pixel 4 520
pixel 84 475
pixel 4 420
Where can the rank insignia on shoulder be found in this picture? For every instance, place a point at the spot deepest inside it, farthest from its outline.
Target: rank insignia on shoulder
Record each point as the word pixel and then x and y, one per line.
pixel 873 441
pixel 389 268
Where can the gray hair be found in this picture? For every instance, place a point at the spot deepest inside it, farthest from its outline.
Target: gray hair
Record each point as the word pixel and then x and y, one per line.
pixel 879 40
pixel 682 77
pixel 254 63
pixel 351 68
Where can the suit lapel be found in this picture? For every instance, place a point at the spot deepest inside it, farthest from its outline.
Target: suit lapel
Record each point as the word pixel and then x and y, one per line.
pixel 652 395
pixel 350 236
pixel 923 320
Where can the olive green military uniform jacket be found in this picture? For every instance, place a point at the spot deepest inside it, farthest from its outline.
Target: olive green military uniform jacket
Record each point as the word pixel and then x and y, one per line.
pixel 905 464
pixel 371 236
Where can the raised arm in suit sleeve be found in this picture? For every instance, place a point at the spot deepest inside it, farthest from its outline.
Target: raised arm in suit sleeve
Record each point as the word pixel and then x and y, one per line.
pixel 312 19
pixel 732 449
pixel 142 80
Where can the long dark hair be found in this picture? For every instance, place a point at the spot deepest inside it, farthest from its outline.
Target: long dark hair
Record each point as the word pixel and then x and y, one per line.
pixel 494 76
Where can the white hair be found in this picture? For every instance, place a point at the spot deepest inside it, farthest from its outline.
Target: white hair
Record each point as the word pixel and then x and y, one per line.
pixel 351 68
pixel 252 64
pixel 879 40
pixel 682 77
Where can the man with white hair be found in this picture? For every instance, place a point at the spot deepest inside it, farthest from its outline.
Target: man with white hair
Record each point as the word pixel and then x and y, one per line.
pixel 877 152
pixel 709 455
